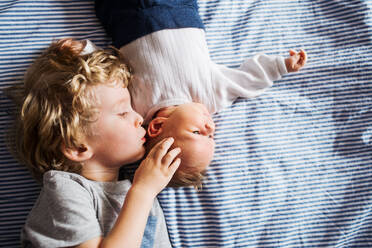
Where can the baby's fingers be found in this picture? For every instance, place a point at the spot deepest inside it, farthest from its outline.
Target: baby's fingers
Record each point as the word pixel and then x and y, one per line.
pixel 303 57
pixel 292 52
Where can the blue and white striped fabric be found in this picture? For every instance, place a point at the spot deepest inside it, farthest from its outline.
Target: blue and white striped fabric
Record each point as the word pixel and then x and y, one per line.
pixel 292 167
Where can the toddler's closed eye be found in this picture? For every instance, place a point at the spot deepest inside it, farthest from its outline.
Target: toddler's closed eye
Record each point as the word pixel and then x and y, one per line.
pixel 123 114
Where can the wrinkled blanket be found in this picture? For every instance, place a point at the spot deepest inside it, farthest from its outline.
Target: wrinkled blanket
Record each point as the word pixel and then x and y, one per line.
pixel 292 167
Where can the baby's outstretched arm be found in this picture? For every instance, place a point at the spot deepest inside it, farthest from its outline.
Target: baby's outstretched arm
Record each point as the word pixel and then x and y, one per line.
pixel 296 60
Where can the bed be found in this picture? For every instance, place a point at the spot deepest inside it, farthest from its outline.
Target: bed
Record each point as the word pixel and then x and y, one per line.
pixel 292 167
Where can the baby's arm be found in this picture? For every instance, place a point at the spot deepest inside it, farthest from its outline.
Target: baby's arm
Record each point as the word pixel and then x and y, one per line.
pixel 153 174
pixel 296 60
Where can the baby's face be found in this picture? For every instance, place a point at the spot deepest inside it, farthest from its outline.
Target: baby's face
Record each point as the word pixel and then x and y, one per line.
pixel 193 129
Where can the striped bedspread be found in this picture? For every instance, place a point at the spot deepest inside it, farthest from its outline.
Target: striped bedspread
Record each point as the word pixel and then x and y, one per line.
pixel 292 167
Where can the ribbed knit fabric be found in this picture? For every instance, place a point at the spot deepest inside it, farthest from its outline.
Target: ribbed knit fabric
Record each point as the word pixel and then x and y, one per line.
pixel 165 44
pixel 173 67
pixel 292 167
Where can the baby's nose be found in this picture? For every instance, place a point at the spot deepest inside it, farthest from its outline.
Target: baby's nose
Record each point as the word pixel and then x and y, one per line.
pixel 210 127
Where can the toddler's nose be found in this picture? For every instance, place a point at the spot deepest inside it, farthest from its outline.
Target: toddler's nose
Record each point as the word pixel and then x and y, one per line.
pixel 139 120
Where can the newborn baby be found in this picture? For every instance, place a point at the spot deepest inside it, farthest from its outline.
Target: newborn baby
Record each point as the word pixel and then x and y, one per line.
pixel 176 86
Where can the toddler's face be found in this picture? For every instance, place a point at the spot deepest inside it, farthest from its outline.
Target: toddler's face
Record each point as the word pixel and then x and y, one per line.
pixel 118 137
pixel 193 129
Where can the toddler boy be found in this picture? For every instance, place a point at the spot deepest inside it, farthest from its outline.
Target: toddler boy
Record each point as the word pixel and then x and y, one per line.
pixel 75 129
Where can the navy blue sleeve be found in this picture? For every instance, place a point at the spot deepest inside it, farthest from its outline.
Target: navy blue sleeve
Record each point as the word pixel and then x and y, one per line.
pixel 127 20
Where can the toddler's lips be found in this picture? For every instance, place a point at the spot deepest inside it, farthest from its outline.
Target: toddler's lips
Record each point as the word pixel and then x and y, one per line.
pixel 144 135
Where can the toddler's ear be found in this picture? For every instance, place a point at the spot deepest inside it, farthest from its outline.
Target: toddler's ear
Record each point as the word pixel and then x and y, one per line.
pixel 155 126
pixel 80 154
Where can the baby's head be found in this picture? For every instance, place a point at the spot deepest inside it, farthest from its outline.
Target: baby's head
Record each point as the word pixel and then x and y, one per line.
pixel 192 128
pixel 56 103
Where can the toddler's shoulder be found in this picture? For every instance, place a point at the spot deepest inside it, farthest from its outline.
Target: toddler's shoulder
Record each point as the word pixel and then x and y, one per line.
pixel 61 183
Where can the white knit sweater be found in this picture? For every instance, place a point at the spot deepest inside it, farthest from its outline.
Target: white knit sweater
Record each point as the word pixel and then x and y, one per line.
pixel 173 67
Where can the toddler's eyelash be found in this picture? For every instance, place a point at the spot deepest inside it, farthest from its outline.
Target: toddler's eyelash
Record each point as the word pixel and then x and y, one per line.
pixel 123 114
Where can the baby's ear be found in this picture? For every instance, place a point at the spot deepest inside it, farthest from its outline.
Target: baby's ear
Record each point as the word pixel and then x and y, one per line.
pixel 80 154
pixel 155 126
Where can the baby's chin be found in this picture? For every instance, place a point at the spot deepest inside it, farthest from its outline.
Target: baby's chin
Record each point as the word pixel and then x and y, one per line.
pixel 199 162
pixel 203 166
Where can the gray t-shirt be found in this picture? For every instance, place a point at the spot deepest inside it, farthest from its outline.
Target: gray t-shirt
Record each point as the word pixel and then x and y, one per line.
pixel 72 209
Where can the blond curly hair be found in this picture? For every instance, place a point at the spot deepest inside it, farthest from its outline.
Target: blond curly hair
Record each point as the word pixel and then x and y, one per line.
pixel 56 105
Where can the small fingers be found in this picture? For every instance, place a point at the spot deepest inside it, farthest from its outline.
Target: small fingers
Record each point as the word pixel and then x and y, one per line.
pixel 161 148
pixel 170 156
pixel 303 56
pixel 296 60
pixel 174 166
pixel 301 60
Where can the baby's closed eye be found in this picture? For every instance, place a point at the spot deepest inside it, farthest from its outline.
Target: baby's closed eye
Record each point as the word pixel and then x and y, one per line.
pixel 208 135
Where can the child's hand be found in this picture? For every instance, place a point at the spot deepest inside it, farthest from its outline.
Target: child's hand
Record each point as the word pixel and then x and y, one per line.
pixel 296 60
pixel 157 169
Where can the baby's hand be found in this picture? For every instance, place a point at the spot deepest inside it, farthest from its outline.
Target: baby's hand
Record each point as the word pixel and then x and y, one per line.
pixel 296 60
pixel 157 169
